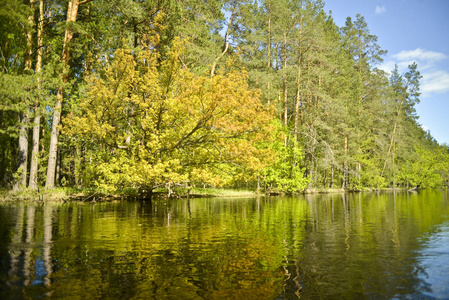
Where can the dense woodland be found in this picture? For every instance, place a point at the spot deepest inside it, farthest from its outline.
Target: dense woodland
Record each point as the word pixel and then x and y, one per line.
pixel 142 94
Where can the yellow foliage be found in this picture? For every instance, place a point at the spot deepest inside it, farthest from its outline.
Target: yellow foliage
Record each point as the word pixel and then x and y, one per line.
pixel 148 122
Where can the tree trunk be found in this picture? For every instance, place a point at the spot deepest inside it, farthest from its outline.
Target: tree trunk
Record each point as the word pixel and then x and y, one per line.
pixel 284 79
pixel 332 177
pixel 37 116
pixel 77 164
pixel 298 82
pixel 226 44
pixel 42 146
pixel 22 158
pixel 269 62
pixel 325 178
pixel 58 168
pixel 72 12
pixel 53 149
pixel 394 169
pixel 35 150
pixel 359 173
pixel 298 99
pixel 345 166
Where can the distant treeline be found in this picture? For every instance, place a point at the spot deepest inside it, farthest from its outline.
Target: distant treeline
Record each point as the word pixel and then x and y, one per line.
pixel 125 94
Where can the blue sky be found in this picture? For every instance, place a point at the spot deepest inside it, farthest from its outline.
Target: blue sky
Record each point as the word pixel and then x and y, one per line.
pixel 411 31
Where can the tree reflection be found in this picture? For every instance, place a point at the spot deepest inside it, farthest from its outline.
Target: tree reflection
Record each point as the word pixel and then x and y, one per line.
pixel 27 268
pixel 344 246
pixel 48 225
pixel 14 250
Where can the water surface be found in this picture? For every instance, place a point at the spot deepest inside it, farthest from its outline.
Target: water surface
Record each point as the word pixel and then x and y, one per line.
pixel 353 246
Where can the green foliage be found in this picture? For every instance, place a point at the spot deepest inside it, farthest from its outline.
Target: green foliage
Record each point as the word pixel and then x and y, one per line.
pixel 428 168
pixel 139 112
pixel 286 174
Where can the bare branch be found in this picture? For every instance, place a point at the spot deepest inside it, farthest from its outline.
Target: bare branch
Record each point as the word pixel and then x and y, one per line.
pixel 85 1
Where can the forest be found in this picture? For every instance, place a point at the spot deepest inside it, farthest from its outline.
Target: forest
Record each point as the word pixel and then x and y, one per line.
pixel 270 95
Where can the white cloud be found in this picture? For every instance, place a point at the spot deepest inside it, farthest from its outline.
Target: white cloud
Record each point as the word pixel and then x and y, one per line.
pixel 434 80
pixel 380 9
pixel 419 54
pixel 387 66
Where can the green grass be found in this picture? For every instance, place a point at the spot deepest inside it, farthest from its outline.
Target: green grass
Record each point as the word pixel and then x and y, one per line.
pixel 68 193
pixel 32 195
pixel 217 192
pixel 54 195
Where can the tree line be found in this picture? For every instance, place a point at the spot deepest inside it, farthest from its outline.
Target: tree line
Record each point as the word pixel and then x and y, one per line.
pixel 162 93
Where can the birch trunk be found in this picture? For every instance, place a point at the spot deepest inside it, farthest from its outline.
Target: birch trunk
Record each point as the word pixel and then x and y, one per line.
pixel 37 117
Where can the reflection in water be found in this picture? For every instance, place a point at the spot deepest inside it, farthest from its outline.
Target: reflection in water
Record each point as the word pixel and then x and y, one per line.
pixel 434 258
pixel 29 241
pixel 47 244
pixel 29 249
pixel 16 239
pixel 324 246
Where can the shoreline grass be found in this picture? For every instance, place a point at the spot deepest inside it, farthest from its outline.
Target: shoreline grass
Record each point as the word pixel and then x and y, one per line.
pixel 64 194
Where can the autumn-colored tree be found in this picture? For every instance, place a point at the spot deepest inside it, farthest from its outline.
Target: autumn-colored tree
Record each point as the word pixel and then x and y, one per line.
pixel 147 123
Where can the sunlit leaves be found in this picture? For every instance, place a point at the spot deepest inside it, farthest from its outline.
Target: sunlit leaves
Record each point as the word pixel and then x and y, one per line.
pixel 149 122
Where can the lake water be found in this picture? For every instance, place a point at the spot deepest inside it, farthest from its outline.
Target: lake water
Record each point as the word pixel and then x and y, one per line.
pixel 353 246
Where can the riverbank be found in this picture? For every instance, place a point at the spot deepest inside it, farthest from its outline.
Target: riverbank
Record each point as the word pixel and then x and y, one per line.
pixel 69 194
pixel 63 194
